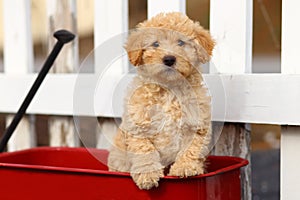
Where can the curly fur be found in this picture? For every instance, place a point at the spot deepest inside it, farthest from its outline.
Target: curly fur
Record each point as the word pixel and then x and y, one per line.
pixel 167 118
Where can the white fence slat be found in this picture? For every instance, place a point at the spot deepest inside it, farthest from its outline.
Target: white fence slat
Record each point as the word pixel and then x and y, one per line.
pixel 23 137
pixel 62 132
pixel 158 6
pixel 290 135
pixel 18 50
pixel 62 15
pixel 110 29
pixel 289 162
pixel 111 20
pixel 290 37
pixel 18 59
pixel 231 27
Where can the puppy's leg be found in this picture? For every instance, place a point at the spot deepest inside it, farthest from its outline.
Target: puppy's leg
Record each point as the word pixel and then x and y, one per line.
pixel 146 169
pixel 190 161
pixel 117 159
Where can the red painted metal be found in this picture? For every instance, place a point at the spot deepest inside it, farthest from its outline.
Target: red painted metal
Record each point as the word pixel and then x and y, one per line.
pixel 77 173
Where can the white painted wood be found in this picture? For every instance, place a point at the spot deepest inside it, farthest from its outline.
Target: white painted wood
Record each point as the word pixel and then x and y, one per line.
pixel 18 51
pixel 158 6
pixel 290 37
pixel 62 132
pixel 290 135
pixel 24 136
pixel 110 32
pixel 110 27
pixel 18 59
pixel 249 98
pixel 106 131
pixel 62 15
pixel 289 163
pixel 231 27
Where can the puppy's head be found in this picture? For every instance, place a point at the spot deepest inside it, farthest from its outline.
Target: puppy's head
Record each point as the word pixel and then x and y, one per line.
pixel 169 46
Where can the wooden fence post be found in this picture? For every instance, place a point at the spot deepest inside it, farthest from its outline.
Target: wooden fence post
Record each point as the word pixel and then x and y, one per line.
pixel 231 26
pixel 235 140
pixel 18 59
pixel 62 15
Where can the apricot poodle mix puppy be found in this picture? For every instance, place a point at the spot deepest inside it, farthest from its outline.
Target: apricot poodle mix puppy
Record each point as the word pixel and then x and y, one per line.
pixel 167 117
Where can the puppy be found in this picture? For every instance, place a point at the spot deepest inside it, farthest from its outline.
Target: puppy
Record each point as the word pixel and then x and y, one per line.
pixel 167 115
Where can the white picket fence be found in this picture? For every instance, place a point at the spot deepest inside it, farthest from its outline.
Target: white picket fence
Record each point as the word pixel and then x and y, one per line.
pixel 250 98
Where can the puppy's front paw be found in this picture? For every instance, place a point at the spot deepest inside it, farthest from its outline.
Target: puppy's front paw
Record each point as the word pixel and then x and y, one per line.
pixel 186 168
pixel 147 180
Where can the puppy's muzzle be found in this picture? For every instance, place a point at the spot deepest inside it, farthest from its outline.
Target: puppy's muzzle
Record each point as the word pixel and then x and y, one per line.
pixel 169 60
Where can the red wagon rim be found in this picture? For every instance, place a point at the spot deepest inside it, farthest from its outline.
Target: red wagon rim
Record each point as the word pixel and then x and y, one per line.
pixel 239 163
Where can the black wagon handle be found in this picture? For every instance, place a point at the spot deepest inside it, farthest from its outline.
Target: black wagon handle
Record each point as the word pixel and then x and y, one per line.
pixel 63 37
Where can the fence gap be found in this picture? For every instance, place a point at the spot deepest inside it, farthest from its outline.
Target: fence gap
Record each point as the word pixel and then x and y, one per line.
pixel 42 130
pixel 137 11
pixel 2 124
pixel 18 42
pixel 199 11
pixel 266 36
pixel 62 15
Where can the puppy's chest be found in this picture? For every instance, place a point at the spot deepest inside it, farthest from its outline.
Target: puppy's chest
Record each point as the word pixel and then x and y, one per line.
pixel 165 107
pixel 155 110
pixel 168 113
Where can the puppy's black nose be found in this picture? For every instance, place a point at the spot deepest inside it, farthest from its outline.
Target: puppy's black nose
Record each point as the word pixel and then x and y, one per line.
pixel 169 60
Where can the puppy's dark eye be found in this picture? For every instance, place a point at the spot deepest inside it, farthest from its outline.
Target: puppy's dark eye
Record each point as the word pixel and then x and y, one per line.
pixel 155 44
pixel 181 43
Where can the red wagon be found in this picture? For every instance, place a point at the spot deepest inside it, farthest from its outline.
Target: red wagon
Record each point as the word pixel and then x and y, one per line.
pixel 79 173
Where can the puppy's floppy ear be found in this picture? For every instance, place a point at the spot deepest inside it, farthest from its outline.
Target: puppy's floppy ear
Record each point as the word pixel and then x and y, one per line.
pixel 134 47
pixel 205 43
pixel 135 57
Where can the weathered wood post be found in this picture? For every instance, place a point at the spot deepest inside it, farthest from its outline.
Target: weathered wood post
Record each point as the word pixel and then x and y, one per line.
pixel 62 15
pixel 18 60
pixel 231 26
